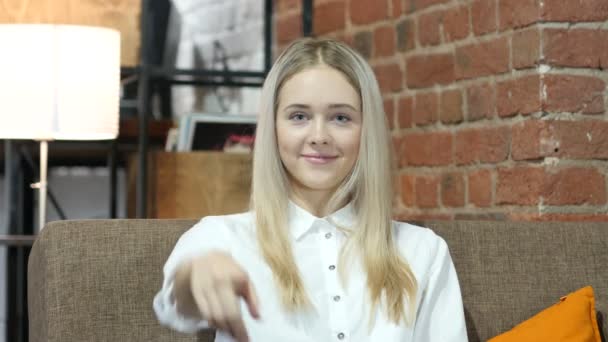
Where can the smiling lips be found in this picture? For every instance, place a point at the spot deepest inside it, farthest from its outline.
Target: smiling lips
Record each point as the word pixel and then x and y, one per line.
pixel 319 158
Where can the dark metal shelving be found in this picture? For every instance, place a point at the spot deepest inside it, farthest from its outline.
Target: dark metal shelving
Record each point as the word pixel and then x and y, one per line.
pixel 144 80
pixel 149 73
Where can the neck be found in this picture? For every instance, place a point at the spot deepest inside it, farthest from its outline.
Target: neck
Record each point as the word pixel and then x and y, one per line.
pixel 314 201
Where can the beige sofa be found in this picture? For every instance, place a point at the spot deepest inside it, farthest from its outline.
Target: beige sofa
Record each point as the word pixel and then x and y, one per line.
pixel 95 280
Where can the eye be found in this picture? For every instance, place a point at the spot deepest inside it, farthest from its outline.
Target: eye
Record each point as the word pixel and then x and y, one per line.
pixel 342 118
pixel 298 116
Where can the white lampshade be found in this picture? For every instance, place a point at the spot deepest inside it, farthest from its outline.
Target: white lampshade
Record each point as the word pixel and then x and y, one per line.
pixel 59 82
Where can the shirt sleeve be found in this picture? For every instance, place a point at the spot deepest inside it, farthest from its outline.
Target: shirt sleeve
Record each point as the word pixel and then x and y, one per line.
pixel 207 235
pixel 440 315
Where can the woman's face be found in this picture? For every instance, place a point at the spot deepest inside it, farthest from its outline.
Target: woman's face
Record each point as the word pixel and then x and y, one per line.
pixel 318 125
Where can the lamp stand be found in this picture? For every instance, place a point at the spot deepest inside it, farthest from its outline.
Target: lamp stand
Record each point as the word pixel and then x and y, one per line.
pixel 42 184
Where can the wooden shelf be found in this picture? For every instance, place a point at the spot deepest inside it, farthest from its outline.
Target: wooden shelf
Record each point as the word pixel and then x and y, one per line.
pixel 193 184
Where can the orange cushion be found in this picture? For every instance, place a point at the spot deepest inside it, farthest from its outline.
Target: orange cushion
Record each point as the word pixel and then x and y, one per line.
pixel 573 319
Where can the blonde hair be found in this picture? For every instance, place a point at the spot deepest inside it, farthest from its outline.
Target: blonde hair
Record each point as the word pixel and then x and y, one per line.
pixel 369 186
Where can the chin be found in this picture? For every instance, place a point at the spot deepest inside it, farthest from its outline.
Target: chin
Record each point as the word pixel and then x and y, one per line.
pixel 319 185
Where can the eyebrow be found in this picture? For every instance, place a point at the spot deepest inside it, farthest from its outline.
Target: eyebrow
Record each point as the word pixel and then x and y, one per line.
pixel 331 106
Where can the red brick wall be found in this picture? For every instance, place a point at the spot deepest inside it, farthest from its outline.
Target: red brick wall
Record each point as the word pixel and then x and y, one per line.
pixel 497 107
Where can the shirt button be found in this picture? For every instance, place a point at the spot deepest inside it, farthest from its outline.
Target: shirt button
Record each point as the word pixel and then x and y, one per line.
pixel 328 236
pixel 340 336
pixel 336 298
pixel 332 267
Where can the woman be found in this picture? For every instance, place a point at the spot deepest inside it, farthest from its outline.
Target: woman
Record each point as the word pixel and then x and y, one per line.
pixel 317 258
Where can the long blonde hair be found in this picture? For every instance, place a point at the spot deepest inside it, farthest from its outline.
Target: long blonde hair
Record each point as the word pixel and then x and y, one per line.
pixel 390 280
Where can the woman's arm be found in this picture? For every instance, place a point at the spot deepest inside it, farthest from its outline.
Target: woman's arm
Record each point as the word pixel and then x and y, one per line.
pixel 440 316
pixel 210 288
pixel 207 235
pixel 203 284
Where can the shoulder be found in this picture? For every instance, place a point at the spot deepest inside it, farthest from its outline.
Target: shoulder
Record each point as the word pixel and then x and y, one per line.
pixel 412 235
pixel 220 227
pixel 421 247
pixel 229 221
pixel 224 232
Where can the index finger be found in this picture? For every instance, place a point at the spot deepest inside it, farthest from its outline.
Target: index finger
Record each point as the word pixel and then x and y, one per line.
pixel 246 289
pixel 238 330
pixel 233 318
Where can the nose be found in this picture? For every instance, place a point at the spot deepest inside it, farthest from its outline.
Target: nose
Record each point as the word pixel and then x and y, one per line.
pixel 319 134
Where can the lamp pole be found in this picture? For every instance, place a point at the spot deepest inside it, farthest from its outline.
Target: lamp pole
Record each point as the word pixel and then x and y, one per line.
pixel 42 184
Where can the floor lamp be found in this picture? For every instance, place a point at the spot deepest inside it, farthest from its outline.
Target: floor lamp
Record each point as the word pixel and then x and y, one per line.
pixel 58 82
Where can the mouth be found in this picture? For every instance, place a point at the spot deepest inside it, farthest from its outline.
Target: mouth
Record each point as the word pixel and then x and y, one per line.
pixel 319 158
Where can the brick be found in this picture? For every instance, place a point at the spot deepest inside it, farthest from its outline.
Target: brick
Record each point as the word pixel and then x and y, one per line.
pixel 585 48
pixel 426 108
pixel 483 145
pixel 456 23
pixel 559 217
pixel 577 140
pixel 347 38
pixel 385 42
pixel 526 48
pixel 329 17
pixel 524 216
pixel 452 190
pixel 482 59
pixel 517 13
pixel 362 42
pixel 599 217
pixel 429 26
pixel 420 4
pixel 397 148
pixel 481 102
pixel 519 96
pixel 390 77
pixel 368 11
pixel 406 112
pixel 408 193
pixel 525 144
pixel 406 35
pixel 483 16
pixel 575 186
pixel 450 110
pixel 421 218
pixel 575 10
pixel 409 6
pixel 427 149
pixel 286 5
pixel 427 189
pixel 397 9
pixel 520 185
pixel 289 28
pixel 534 139
pixel 389 110
pixel 526 138
pixel 566 93
pixel 492 216
pixel 480 188
pixel 427 70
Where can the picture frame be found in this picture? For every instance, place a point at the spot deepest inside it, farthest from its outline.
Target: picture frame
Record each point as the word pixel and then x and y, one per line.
pixel 210 131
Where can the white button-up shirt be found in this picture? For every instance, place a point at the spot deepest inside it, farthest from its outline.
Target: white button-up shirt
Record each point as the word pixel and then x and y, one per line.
pixel 340 314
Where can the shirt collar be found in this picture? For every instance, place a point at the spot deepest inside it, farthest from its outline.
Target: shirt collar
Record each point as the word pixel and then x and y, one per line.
pixel 301 221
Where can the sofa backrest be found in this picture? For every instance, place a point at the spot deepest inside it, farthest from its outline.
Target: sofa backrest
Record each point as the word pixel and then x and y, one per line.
pixel 95 280
pixel 509 271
